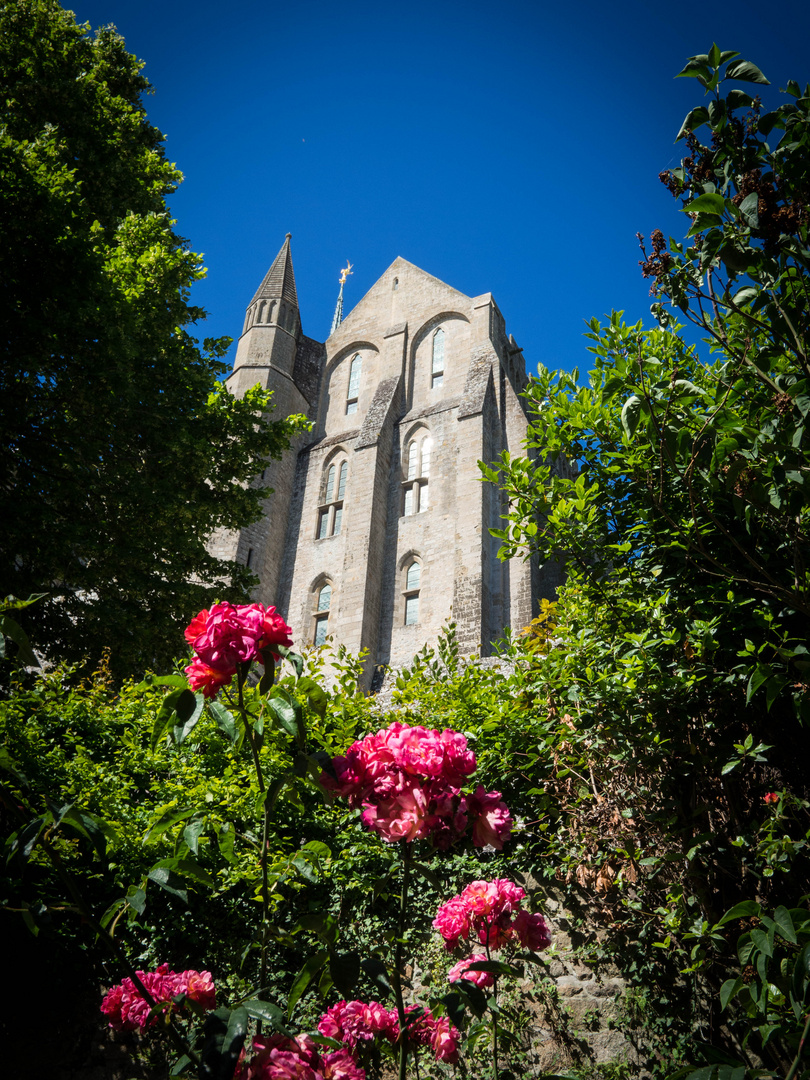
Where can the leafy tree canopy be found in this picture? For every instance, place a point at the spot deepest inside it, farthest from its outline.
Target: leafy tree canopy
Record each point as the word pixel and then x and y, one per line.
pixel 121 450
pixel 693 471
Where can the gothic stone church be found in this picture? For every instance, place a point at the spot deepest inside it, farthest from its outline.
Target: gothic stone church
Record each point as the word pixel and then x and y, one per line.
pixel 377 531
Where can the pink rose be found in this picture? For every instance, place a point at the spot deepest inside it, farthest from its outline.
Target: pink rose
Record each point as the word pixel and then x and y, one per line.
pixel 453 921
pixel 339 1065
pixel 492 822
pixel 274 630
pixel 444 1041
pixel 460 971
pixel 350 1021
pixel 532 931
pixel 771 797
pixel 199 986
pixel 202 677
pixel 196 626
pixel 229 636
pixel 128 1010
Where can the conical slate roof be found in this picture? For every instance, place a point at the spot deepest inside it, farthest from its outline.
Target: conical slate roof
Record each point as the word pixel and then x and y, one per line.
pixel 279 282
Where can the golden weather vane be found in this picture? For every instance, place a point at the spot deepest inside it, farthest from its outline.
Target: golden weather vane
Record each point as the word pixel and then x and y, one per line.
pixel 338 316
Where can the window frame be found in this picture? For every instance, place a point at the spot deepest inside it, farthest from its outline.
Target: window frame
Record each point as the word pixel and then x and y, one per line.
pixel 321 614
pixel 329 521
pixel 415 485
pixel 437 362
pixel 353 390
pixel 412 590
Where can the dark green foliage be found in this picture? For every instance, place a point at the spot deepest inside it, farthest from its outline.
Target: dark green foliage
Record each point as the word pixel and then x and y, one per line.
pixel 681 652
pixel 121 452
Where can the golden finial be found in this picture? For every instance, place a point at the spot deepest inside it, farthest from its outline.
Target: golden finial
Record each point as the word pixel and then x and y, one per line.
pixel 345 272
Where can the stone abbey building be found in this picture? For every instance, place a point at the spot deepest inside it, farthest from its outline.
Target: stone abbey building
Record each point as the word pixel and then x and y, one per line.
pixel 377 531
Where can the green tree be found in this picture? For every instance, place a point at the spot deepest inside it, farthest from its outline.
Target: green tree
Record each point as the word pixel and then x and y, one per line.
pixel 121 450
pixel 682 634
pixel 694 478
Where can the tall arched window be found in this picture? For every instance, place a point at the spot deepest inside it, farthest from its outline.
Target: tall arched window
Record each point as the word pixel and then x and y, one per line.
pixel 415 485
pixel 437 367
pixel 322 614
pixel 330 512
pixel 413 580
pixel 354 384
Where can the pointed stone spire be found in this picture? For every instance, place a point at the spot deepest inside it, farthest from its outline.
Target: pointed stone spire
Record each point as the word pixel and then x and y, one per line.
pixel 337 318
pixel 279 282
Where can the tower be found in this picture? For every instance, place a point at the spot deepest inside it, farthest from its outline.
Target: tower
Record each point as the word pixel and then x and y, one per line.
pixel 378 528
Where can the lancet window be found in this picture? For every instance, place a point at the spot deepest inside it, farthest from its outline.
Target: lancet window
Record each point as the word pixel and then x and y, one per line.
pixel 354 384
pixel 437 366
pixel 413 581
pixel 417 471
pixel 322 608
pixel 330 512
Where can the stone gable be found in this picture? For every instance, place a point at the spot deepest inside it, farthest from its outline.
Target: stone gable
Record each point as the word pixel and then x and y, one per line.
pixel 378 529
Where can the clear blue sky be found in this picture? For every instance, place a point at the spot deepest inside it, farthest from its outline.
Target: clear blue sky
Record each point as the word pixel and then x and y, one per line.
pixel 507 147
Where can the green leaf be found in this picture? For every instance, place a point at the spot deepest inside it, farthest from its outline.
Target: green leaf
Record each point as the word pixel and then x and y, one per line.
pixel 294 658
pixel 710 203
pixel 318 848
pixel 312 965
pixel 190 868
pixel 189 710
pixel 284 713
pixel 746 295
pixel 745 71
pixel 743 910
pixel 165 819
pixel 759 675
pixel 88 826
pixel 191 834
pixel 159 729
pixel 693 120
pixel 749 208
pixel 269 677
pixel 10 628
pixel 317 697
pixel 738 99
pixel 224 720
pixel 225 841
pixel 631 412
pixel 268 1012
pixel 728 991
pixel 136 898
pixel 762 942
pixel 378 973
pixel 225 1031
pixel 161 680
pixel 696 68
pixel 169 881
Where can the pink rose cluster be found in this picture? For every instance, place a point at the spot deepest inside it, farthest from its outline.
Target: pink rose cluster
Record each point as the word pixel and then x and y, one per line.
pixel 354 1022
pixel 491 911
pixel 280 1057
pixel 227 635
pixel 127 1009
pixel 482 979
pixel 408 781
